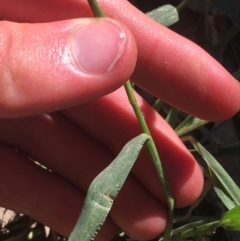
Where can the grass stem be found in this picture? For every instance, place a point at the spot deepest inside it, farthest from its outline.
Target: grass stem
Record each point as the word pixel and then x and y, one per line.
pixel 182 5
pixel 155 158
pixel 97 11
pixel 150 143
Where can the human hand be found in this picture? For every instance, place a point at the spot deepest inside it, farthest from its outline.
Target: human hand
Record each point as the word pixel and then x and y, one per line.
pixel 78 142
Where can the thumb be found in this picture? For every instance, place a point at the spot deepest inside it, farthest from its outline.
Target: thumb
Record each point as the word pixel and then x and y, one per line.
pixel 52 66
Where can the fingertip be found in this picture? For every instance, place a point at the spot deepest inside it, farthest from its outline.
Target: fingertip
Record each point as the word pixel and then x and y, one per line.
pixel 98 46
pixel 176 70
pixel 145 224
pixel 183 172
pixel 190 191
pixel 222 94
pixel 138 213
pixel 107 231
pixel 51 77
pixel 148 229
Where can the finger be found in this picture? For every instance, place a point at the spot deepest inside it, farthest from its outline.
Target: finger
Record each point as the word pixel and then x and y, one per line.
pixel 45 67
pixel 28 11
pixel 169 66
pixel 118 125
pixel 175 69
pixel 33 191
pixel 78 159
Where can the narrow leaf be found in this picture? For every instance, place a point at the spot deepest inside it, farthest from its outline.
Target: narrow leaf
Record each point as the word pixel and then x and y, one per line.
pixel 172 117
pixel 104 189
pixel 196 230
pixel 167 15
pixel 189 124
pixel 231 219
pixel 226 199
pixel 158 105
pixel 225 187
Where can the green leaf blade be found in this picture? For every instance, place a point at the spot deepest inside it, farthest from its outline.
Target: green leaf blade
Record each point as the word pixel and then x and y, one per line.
pixel 231 219
pixel 166 15
pixel 189 124
pixel 104 189
pixel 172 117
pixel 225 187
pixel 230 193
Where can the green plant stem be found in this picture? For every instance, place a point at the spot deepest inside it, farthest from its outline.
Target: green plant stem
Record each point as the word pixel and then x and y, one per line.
pixel 172 117
pixel 155 158
pixel 197 218
pixel 158 105
pixel 182 5
pixel 192 127
pixel 197 230
pixel 150 143
pixel 97 11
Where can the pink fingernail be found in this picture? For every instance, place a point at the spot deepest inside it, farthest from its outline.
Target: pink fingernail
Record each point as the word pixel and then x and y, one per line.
pixel 97 47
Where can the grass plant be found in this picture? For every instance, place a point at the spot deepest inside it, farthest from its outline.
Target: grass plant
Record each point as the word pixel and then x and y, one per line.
pixel 184 227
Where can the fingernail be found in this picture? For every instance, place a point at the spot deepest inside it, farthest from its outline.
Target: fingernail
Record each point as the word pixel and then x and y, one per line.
pixel 97 47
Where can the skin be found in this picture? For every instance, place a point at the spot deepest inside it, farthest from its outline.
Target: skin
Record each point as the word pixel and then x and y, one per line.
pixel 83 133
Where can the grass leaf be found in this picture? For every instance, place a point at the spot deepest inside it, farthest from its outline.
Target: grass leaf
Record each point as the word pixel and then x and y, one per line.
pixel 195 230
pixel 158 105
pixel 104 189
pixel 172 117
pixel 225 187
pixel 231 219
pixel 166 15
pixel 189 124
